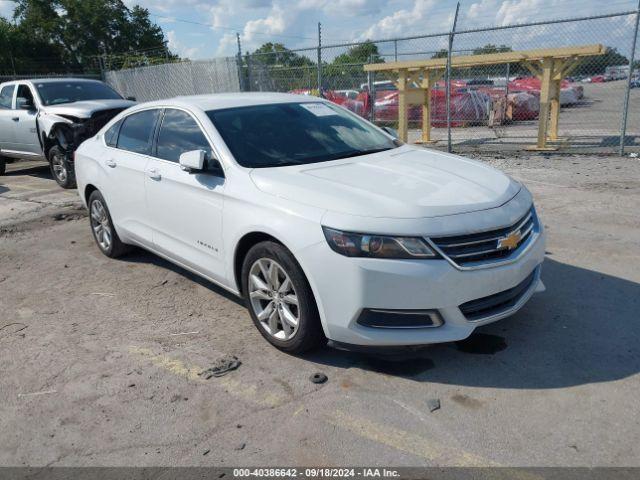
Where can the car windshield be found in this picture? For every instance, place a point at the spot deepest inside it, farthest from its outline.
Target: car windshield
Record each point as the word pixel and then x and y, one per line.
pixel 55 93
pixel 295 134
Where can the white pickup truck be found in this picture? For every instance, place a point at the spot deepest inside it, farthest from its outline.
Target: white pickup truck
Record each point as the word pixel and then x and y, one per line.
pixel 47 119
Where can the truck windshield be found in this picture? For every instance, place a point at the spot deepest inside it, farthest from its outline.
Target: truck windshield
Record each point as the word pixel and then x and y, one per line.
pixel 55 93
pixel 296 134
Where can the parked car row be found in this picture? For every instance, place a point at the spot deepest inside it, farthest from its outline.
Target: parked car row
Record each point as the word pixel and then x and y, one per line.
pixel 329 227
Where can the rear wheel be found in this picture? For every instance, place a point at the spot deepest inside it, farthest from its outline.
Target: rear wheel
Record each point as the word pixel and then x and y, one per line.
pixel 62 168
pixel 3 166
pixel 102 227
pixel 280 299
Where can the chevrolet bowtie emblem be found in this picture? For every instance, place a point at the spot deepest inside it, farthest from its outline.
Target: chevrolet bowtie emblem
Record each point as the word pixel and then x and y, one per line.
pixel 510 242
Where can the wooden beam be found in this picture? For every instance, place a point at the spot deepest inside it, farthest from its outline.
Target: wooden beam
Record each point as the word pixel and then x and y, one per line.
pixel 555 108
pixel 403 114
pixel 427 83
pixel 545 100
pixel 461 61
pixel 534 69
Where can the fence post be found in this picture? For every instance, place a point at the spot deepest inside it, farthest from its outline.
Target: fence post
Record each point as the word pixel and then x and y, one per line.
pixel 320 60
pixel 625 110
pixel 448 78
pixel 239 64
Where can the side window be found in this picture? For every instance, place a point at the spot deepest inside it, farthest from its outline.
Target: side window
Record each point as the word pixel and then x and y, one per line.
pixel 111 135
pixel 137 131
pixel 180 133
pixel 24 96
pixel 6 96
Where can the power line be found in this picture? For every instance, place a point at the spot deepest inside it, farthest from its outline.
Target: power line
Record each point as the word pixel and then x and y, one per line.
pixel 234 29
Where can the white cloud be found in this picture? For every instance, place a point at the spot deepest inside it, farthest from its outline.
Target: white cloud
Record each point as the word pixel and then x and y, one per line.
pixel 401 21
pixel 6 8
pixel 176 46
pixel 517 11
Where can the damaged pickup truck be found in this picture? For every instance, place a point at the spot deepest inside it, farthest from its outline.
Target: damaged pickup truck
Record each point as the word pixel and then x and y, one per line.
pixel 49 118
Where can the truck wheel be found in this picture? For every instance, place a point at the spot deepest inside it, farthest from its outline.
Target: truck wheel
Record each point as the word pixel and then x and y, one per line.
pixel 3 166
pixel 62 168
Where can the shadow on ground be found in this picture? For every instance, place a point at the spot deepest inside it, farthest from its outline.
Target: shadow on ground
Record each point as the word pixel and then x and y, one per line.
pixel 583 329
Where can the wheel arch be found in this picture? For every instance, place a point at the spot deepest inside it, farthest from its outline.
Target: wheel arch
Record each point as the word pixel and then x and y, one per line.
pixel 88 190
pixel 246 242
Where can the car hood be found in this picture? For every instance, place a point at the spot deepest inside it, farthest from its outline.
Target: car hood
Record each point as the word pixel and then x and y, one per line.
pixel 407 182
pixel 87 108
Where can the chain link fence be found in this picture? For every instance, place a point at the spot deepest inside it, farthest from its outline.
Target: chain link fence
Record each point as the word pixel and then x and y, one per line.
pixel 179 78
pixel 492 107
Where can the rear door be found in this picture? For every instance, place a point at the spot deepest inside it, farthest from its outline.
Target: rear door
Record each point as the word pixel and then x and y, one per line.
pixel 185 208
pixel 127 153
pixel 6 116
pixel 24 122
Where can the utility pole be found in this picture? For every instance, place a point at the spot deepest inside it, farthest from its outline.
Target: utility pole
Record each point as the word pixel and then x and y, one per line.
pixel 448 77
pixel 320 60
pixel 625 110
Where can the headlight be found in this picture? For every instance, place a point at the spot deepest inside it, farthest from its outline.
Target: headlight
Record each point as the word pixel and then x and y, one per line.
pixel 377 246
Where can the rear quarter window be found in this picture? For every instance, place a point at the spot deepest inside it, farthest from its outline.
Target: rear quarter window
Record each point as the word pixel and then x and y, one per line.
pixel 111 135
pixel 137 130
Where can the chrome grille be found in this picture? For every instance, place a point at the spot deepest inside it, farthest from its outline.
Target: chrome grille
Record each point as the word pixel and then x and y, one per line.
pixel 484 247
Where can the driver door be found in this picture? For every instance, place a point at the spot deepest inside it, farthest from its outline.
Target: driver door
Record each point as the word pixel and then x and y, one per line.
pixel 25 133
pixel 185 208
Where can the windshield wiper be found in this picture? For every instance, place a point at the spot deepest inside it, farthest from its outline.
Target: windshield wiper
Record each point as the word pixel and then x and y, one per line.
pixel 358 153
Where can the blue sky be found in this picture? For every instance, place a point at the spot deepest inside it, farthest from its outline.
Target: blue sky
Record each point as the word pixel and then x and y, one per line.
pixel 205 29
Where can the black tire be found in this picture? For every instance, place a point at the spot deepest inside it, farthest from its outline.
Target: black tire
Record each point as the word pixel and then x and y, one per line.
pixel 62 167
pixel 309 332
pixel 3 166
pixel 116 247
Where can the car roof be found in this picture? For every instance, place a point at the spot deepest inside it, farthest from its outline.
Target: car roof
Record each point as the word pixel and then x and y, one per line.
pixel 58 80
pixel 219 101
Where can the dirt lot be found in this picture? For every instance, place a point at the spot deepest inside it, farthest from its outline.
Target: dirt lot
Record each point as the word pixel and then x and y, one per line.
pixel 99 357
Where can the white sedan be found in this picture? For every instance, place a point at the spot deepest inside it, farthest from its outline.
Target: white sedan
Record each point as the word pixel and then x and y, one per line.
pixel 328 227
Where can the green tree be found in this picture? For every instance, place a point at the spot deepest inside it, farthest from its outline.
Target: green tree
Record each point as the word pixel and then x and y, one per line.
pixel 597 65
pixel 78 31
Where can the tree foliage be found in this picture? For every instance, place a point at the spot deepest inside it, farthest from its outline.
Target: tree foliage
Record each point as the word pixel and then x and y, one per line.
pixel 69 35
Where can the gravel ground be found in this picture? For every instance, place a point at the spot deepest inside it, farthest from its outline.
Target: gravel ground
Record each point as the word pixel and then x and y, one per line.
pixel 100 358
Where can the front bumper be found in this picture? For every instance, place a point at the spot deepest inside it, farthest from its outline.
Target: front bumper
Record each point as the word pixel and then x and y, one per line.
pixel 344 287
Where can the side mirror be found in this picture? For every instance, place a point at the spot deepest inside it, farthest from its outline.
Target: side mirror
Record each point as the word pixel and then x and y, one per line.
pixel 391 131
pixel 24 104
pixel 133 99
pixel 192 161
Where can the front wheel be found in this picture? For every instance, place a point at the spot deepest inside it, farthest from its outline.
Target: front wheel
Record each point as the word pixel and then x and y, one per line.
pixel 62 168
pixel 280 299
pixel 3 166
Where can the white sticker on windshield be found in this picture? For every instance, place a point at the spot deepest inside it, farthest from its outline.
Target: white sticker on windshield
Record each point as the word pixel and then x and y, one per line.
pixel 318 109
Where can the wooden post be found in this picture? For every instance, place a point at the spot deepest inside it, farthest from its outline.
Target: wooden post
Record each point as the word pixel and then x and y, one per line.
pixel 545 101
pixel 426 106
pixel 555 109
pixel 403 114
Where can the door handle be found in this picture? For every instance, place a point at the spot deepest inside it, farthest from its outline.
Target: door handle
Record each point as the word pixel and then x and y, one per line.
pixel 16 119
pixel 111 163
pixel 154 174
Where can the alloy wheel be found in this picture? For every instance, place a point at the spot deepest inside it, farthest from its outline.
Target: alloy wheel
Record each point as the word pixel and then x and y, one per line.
pixel 100 224
pixel 59 167
pixel 273 299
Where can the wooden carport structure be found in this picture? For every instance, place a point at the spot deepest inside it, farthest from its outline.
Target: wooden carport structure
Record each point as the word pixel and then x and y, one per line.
pixel 550 65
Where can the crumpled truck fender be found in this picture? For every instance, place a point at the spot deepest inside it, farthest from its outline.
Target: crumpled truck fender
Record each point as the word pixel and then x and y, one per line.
pixel 47 124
